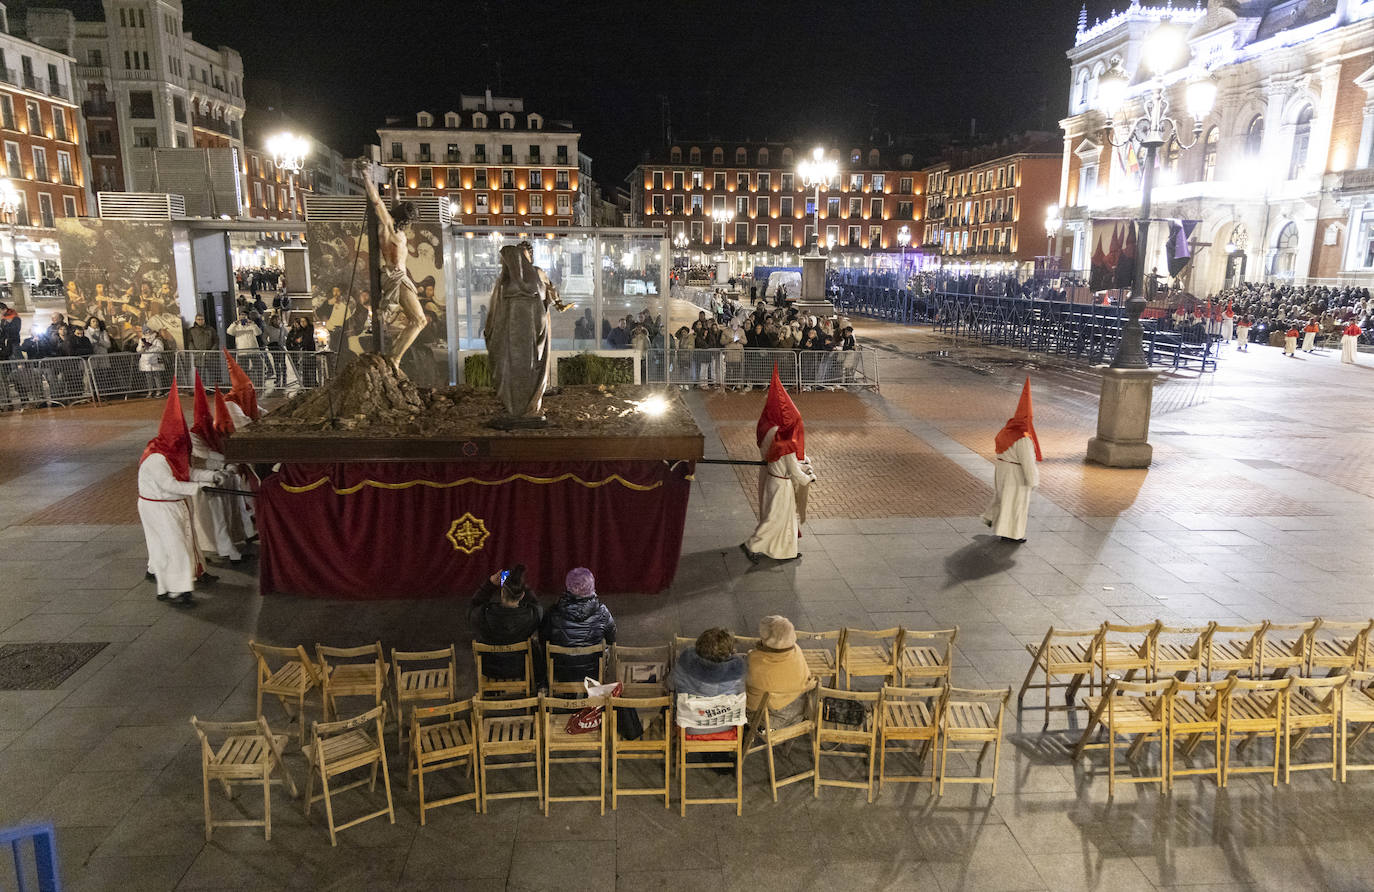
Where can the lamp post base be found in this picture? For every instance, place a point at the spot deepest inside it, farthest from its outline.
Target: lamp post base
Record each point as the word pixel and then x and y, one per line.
pixel 19 296
pixel 1123 419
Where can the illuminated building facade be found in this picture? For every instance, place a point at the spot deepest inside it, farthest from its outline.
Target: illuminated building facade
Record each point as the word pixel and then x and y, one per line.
pixel 498 164
pixel 1281 178
pixel 862 209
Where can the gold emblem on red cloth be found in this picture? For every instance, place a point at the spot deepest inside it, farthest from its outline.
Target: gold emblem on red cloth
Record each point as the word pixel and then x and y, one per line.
pixel 468 534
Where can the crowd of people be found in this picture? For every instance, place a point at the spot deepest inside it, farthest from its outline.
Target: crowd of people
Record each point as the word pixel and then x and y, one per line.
pixel 254 279
pixel 1270 307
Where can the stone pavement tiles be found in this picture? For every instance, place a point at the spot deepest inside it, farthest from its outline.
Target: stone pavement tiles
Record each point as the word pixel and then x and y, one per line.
pixel 1259 507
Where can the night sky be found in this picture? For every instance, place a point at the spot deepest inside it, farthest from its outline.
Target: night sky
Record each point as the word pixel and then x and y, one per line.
pixel 761 70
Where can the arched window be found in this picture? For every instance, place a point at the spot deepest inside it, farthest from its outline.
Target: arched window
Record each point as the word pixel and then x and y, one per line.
pixel 786 157
pixel 675 155
pixel 507 121
pixel 872 157
pixel 1080 90
pixel 763 157
pixel 1254 136
pixel 855 156
pixel 694 155
pixel 451 121
pixel 1286 251
pixel 1302 141
pixel 425 119
pixel 717 156
pixel 479 119
pixel 1209 156
pixel 741 157
pixel 1169 162
pixel 534 122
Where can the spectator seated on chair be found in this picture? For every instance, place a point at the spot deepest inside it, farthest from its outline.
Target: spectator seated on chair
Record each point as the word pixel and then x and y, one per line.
pixel 710 668
pixel 578 619
pixel 777 666
pixel 504 614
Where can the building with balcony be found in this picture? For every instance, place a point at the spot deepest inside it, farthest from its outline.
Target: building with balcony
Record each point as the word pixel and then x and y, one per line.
pixel 267 188
pixel 985 206
pixel 875 192
pixel 497 163
pixel 1281 178
pixel 144 82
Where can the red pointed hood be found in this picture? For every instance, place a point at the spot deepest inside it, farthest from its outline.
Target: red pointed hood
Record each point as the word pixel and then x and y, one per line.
pixel 241 388
pixel 1020 425
pixel 173 440
pixel 224 422
pixel 779 411
pixel 202 422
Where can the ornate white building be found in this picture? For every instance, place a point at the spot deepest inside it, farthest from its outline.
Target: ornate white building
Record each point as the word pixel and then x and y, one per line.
pixel 1281 178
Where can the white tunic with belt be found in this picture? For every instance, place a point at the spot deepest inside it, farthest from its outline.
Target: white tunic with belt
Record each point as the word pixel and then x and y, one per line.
pixel 1016 477
pixel 164 507
pixel 776 535
pixel 1226 326
pixel 1350 345
pixel 211 511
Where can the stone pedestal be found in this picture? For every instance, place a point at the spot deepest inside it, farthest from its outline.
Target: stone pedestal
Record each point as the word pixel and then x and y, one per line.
pixel 813 300
pixel 1123 419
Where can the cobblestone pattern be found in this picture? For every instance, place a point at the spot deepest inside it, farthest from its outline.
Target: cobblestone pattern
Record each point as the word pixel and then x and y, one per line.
pixel 113 500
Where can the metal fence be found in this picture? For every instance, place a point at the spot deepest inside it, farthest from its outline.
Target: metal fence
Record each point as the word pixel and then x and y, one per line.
pixel 754 367
pixel 68 380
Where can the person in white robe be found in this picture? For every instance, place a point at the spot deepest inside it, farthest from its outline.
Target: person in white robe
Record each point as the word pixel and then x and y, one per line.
pixel 229 417
pixel 1228 324
pixel 1243 335
pixel 1350 343
pixel 1016 475
pixel 210 511
pixel 1309 336
pixel 166 484
pixel 1290 342
pixel 781 440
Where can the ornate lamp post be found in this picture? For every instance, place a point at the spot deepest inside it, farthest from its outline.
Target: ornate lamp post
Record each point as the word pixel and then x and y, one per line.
pixel 723 216
pixel 815 172
pixel 904 239
pixel 1123 413
pixel 1053 221
pixel 10 203
pixel 288 153
pixel 680 244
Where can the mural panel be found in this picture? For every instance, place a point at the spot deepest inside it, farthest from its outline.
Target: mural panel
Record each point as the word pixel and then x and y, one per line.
pixel 122 272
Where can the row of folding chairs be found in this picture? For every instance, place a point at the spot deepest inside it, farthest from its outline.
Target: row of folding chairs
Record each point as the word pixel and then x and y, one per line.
pixel 1180 718
pixel 1155 651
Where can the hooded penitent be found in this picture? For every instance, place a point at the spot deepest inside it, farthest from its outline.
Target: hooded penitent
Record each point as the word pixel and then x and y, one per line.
pixel 224 422
pixel 779 411
pixel 173 440
pixel 202 422
pixel 1020 425
pixel 241 388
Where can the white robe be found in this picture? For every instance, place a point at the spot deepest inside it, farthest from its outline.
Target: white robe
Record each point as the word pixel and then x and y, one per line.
pixel 1015 478
pixel 776 534
pixel 1226 327
pixel 164 507
pixel 1290 344
pixel 1309 341
pixel 1242 336
pixel 1350 345
pixel 238 480
pixel 211 511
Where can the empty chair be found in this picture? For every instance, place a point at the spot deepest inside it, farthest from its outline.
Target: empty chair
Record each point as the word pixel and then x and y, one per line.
pixel 846 727
pixel 1283 648
pixel 1253 710
pixel 504 670
pixel 422 676
pixel 870 653
pixel 1136 711
pixel 568 666
pixel 1312 711
pixel 441 737
pixel 1233 650
pixel 1062 652
pixel 351 672
pixel 973 716
pixel 288 674
pixel 343 746
pixel 641 671
pixel 1336 646
pixel 1357 714
pixel 909 716
pixel 508 739
pixel 821 650
pixel 248 753
pixel 767 735
pixel 926 656
pixel 655 743
pixel 1180 651
pixel 1194 715
pixel 1126 651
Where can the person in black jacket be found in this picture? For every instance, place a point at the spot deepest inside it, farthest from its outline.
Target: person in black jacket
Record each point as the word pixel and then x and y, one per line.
pixel 579 619
pixel 505 614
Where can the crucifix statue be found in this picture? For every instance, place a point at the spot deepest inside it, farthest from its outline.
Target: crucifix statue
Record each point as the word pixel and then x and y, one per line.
pixel 397 283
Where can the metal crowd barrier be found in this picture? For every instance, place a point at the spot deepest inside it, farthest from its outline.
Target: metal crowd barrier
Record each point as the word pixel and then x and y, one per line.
pixel 33 850
pixel 752 367
pixel 69 380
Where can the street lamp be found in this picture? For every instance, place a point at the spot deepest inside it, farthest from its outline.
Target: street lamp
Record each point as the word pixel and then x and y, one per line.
pixel 815 172
pixel 680 242
pixel 904 239
pixel 1164 50
pixel 10 203
pixel 1053 221
pixel 288 153
pixel 723 216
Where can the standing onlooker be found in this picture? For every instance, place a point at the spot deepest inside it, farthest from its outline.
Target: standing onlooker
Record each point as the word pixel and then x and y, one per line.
pixel 10 325
pixel 201 336
pixel 150 361
pixel 100 338
pixel 578 619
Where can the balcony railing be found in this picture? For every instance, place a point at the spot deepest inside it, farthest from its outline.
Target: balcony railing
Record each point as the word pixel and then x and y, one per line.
pixel 9 75
pixel 454 157
pixel 57 89
pixel 98 108
pixel 207 123
pixel 426 158
pixel 534 159
pixel 507 159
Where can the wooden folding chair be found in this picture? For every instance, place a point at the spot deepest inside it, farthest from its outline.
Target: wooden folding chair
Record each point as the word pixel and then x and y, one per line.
pixel 655 743
pixel 726 716
pixel 846 741
pixel 926 657
pixel 1284 647
pixel 288 674
pixel 641 671
pixel 745 643
pixel 351 672
pixel 247 755
pixel 342 746
pixel 1194 714
pixel 765 737
pixel 1357 713
pixel 906 716
pixel 870 653
pixel 1233 650
pixel 508 728
pixel 441 737
pixel 554 654
pixel 490 685
pixel 1253 710
pixel 1337 647
pixel 1134 710
pixel 562 747
pixel 1312 709
pixel 1062 652
pixel 1126 651
pixel 1180 651
pixel 821 650
pixel 972 716
pixel 419 680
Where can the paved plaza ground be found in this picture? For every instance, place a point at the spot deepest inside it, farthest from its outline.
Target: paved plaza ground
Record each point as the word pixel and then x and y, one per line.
pixel 1260 505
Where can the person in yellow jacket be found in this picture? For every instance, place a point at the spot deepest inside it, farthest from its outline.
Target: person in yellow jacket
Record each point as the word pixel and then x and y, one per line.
pixel 777 669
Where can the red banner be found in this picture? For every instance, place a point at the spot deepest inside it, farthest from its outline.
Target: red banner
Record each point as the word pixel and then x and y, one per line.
pixel 371 530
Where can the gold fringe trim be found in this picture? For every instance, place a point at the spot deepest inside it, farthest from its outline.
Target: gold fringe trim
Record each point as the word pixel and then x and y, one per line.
pixel 377 484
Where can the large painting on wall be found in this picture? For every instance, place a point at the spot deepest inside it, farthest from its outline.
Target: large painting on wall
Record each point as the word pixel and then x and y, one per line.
pixel 122 272
pixel 339 293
